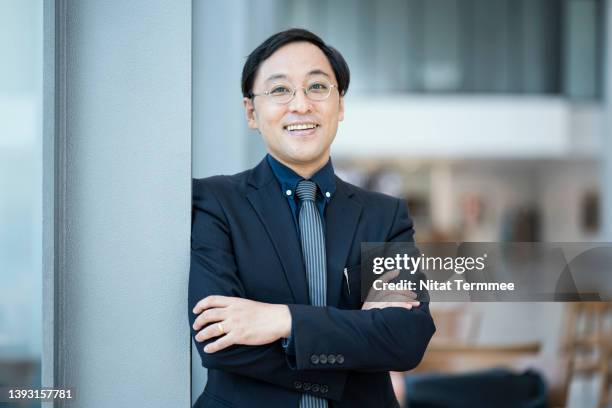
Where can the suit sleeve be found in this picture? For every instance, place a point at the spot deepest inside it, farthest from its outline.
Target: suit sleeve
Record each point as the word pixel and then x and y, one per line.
pixel 390 339
pixel 213 271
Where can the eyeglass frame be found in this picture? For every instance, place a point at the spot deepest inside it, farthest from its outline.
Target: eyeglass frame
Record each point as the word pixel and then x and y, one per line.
pixel 295 89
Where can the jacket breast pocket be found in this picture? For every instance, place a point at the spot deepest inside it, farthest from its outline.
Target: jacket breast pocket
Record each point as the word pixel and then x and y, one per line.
pixel 350 297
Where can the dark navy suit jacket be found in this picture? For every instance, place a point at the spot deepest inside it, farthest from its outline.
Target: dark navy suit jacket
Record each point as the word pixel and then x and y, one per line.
pixel 244 244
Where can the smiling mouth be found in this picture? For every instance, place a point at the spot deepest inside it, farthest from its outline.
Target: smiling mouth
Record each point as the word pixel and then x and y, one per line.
pixel 301 128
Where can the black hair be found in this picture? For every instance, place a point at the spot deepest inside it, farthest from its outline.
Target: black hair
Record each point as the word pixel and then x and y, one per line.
pixel 276 41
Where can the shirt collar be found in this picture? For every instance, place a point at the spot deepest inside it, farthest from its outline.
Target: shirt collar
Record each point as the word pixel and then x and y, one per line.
pixel 289 179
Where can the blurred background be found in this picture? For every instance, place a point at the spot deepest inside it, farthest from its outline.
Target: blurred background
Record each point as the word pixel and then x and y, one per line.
pixel 488 117
pixel 21 88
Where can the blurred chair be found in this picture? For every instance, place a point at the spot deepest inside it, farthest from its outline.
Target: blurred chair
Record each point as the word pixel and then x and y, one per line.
pixel 454 357
pixel 587 344
pixel 454 350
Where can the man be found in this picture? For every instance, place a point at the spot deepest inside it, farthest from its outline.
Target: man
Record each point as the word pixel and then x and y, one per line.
pixel 274 288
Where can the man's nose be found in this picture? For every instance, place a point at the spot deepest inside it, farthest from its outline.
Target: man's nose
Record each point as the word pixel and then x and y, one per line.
pixel 300 102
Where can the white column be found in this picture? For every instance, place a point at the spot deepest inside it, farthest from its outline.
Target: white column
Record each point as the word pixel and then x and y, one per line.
pixel 122 156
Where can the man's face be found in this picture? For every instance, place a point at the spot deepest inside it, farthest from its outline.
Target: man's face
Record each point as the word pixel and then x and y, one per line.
pixel 297 64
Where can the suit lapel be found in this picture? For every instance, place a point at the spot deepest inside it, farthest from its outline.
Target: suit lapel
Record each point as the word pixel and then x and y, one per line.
pixel 341 219
pixel 274 213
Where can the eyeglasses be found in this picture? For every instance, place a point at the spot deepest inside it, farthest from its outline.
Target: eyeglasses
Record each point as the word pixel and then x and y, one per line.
pixel 282 93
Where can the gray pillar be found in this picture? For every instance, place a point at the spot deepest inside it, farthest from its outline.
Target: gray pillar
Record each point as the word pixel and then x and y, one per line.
pixel 48 195
pixel 122 155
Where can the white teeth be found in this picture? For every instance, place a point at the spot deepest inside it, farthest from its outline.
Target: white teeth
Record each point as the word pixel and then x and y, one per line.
pixel 301 126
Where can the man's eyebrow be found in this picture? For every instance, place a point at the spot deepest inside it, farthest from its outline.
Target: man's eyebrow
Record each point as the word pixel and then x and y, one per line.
pixel 276 76
pixel 283 76
pixel 318 72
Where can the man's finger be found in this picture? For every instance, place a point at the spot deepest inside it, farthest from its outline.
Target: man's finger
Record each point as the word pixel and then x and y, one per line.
pixel 208 316
pixel 386 277
pixel 391 296
pixel 372 296
pixel 212 330
pixel 406 305
pixel 383 305
pixel 410 294
pixel 396 297
pixel 219 344
pixel 211 301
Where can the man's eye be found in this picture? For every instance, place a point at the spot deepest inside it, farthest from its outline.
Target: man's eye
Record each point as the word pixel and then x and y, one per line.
pixel 280 90
pixel 318 87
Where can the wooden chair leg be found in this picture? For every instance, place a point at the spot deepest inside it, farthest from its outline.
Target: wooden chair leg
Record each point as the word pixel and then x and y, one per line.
pixel 604 388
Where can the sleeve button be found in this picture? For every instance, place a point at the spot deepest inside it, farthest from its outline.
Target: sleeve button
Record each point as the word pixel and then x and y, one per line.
pixel 315 387
pixel 297 385
pixel 314 359
pixel 323 359
pixel 324 389
pixel 307 386
pixel 340 358
pixel 331 359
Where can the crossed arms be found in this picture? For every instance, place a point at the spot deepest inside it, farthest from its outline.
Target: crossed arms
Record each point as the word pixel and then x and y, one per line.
pixel 242 336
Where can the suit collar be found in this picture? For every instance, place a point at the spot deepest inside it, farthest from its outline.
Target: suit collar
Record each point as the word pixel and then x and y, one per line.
pixel 289 179
pixel 260 175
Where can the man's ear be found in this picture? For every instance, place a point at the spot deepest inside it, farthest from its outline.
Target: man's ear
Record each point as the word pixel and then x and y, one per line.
pixel 249 111
pixel 341 109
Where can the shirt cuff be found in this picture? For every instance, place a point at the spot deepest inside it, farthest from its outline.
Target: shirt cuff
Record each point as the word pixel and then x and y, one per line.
pixel 288 344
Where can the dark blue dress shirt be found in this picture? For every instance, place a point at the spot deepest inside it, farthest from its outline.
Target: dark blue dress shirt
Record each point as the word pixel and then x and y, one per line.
pixel 289 179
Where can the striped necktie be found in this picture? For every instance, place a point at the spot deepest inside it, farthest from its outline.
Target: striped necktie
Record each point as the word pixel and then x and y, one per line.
pixel 313 250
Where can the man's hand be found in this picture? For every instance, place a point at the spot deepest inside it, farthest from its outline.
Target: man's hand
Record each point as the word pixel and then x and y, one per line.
pixel 239 321
pixel 380 299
